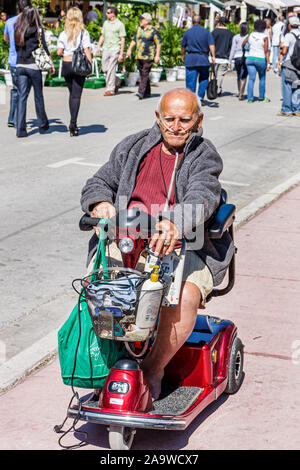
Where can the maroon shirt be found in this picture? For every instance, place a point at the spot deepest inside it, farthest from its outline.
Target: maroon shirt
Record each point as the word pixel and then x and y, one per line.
pixel 153 181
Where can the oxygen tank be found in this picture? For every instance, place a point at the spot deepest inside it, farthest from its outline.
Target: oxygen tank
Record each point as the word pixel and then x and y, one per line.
pixel 149 301
pixel 148 308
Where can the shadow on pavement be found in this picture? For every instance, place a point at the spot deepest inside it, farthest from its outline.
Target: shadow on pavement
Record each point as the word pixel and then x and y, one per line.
pixel 97 434
pixel 56 125
pixel 92 129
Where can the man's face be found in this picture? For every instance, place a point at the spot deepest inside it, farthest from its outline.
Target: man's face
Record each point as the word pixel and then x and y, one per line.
pixel 143 22
pixel 178 119
pixel 110 15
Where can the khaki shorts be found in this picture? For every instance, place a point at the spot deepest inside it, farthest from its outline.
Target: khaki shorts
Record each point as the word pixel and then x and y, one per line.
pixel 195 270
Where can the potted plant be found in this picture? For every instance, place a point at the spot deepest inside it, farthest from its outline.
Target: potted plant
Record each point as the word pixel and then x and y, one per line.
pixel 155 73
pixel 180 69
pixel 171 50
pixel 130 17
pixel 132 74
pixel 4 51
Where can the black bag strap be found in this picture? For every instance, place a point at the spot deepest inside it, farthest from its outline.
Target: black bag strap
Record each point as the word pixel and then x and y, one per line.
pixel 81 37
pixel 297 37
pixel 213 70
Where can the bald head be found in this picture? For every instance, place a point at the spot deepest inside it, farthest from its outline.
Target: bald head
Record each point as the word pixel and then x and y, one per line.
pixel 183 95
pixel 178 115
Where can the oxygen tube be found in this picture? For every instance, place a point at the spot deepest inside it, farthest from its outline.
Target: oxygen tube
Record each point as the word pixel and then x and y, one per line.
pixel 167 203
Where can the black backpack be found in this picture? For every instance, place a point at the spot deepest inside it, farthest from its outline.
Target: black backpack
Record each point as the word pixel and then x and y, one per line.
pixel 295 57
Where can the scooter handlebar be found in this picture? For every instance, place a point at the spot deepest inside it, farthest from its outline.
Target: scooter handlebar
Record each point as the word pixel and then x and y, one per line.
pixel 86 222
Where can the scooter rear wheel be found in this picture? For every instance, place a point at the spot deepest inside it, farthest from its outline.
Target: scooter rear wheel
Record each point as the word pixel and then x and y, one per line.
pixel 120 438
pixel 235 367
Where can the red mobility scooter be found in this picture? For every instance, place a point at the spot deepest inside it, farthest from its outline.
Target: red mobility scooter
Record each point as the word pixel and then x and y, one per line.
pixel 208 364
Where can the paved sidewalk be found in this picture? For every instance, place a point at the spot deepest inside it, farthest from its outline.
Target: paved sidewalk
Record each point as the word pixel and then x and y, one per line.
pixel 265 413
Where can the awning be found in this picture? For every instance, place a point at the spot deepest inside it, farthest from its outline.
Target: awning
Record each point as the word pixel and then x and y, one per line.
pixel 259 4
pixel 233 3
pixel 217 3
pixel 290 3
pixel 192 2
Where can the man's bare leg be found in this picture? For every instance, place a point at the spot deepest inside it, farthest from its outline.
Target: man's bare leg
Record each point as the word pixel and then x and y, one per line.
pixel 175 326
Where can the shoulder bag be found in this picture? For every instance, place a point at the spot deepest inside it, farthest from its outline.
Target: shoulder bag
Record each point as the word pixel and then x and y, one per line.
pixel 41 58
pixel 80 63
pixel 212 87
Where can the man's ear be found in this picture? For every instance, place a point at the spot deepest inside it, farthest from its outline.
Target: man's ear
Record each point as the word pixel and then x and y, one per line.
pixel 157 117
pixel 200 119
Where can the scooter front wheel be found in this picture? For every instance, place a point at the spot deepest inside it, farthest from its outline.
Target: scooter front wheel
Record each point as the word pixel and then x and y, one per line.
pixel 120 437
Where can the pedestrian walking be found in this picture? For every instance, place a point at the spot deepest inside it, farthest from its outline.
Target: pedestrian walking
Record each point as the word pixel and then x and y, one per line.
pixel 148 45
pixel 196 44
pixel 113 40
pixel 237 54
pixel 285 28
pixel 258 60
pixel 28 35
pixel 68 41
pixel 276 38
pixel 9 36
pixel 223 40
pixel 90 16
pixel 269 34
pixel 290 74
pixel 3 18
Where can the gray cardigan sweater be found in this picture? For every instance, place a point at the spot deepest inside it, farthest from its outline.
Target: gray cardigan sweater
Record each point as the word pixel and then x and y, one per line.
pixel 196 183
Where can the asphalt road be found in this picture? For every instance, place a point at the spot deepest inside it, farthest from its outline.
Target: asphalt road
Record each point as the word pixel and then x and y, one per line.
pixel 41 247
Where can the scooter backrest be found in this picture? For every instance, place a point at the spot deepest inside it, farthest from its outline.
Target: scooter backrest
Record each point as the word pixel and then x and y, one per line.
pixel 222 220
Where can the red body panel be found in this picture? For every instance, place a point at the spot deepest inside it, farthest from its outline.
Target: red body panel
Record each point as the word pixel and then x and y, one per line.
pixel 138 398
pixel 197 366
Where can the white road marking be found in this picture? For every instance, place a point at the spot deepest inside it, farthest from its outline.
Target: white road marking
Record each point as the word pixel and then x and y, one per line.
pixel 216 118
pixel 72 161
pixel 234 183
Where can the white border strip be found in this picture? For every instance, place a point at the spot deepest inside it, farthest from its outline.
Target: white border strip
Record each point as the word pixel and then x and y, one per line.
pixel 24 363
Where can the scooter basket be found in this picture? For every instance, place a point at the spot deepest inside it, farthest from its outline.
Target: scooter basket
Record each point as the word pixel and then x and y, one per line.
pixel 112 301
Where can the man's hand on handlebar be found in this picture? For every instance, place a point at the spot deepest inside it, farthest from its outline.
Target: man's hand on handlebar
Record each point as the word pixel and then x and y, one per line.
pixel 103 210
pixel 163 242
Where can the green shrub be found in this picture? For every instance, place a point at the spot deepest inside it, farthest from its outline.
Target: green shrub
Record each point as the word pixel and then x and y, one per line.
pixel 171 54
pixel 4 49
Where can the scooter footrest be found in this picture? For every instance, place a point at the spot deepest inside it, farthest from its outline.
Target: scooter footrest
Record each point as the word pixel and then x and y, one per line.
pixel 176 402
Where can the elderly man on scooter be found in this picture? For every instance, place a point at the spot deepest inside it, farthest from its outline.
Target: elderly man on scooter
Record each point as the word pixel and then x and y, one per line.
pixel 140 168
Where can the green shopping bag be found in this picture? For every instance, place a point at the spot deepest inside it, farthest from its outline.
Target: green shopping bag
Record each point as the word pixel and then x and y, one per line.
pixel 94 356
pixel 85 359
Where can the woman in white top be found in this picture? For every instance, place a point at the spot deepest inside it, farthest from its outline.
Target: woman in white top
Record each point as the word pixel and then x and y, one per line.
pixel 68 42
pixel 257 60
pixel 237 54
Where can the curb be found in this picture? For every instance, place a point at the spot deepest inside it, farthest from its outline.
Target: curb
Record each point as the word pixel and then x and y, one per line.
pixel 28 361
pixel 43 351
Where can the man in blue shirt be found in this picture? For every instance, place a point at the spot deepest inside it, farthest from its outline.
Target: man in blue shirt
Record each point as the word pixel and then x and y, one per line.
pixel 196 45
pixel 9 36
